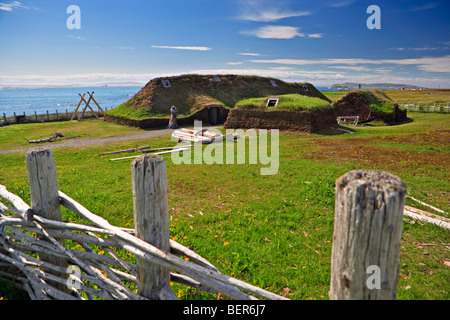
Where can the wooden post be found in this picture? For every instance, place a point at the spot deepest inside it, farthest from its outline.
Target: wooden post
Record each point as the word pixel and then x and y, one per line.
pixel 367 233
pixel 44 192
pixel 87 106
pixel 76 109
pixel 151 220
pixel 35 116
pixel 92 94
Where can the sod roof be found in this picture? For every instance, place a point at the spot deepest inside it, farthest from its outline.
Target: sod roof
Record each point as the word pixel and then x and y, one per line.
pixel 192 92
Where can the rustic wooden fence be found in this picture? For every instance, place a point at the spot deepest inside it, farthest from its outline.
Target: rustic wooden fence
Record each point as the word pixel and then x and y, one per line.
pixel 425 107
pixel 54 259
pixel 47 117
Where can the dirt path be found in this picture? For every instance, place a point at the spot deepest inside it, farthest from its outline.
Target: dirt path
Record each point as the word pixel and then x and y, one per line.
pixel 87 142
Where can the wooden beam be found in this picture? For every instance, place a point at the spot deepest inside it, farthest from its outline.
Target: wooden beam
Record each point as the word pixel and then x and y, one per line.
pixel 151 221
pixel 76 110
pixel 367 234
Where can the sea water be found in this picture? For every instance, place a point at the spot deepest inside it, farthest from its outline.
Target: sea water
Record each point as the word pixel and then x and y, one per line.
pixel 59 99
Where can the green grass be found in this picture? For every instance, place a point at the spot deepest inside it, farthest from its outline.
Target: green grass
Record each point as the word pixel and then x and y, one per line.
pixel 274 231
pixel 12 136
pixel 382 108
pixel 429 96
pixel 288 102
pixel 335 95
pixel 124 111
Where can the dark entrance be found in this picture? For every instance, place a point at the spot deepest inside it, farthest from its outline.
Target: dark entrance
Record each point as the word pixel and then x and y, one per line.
pixel 213 114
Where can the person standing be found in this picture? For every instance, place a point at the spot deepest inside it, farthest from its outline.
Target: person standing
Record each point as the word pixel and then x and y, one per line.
pixel 173 118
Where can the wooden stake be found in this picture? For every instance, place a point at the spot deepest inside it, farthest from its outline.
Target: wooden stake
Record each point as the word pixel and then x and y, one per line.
pixel 92 95
pixel 84 109
pixel 367 234
pixel 151 219
pixel 78 106
pixel 44 191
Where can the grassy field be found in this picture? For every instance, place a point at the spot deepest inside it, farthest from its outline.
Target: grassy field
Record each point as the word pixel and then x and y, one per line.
pixel 13 136
pixel 420 96
pixel 272 231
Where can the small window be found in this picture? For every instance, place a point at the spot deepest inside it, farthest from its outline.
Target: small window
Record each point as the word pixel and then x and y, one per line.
pixel 166 83
pixel 217 78
pixel 274 84
pixel 305 87
pixel 272 101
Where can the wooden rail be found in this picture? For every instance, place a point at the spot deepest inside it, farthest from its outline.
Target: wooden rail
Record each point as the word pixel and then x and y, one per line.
pixel 46 117
pixel 37 230
pixel 425 107
pixel 54 259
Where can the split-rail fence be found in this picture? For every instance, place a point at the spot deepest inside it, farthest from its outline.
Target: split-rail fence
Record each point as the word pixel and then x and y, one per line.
pixel 425 107
pixel 53 259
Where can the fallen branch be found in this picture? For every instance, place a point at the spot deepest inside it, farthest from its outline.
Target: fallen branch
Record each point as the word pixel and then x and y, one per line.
pixel 427 205
pixel 163 152
pixel 54 138
pixel 125 151
pixel 426 216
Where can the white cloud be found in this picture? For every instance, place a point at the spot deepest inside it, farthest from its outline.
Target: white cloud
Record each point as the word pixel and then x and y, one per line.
pixel 266 11
pixel 284 74
pixel 318 77
pixel 351 68
pixel 248 54
pixel 76 37
pixel 12 5
pixel 275 32
pixel 424 7
pixel 430 64
pixel 234 63
pixel 315 35
pixel 269 16
pixel 343 3
pixel 183 48
pixel 88 78
pixel 425 48
pixel 322 77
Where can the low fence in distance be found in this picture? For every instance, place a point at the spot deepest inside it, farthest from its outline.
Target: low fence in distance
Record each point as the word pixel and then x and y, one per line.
pixel 425 107
pixel 34 256
pixel 46 117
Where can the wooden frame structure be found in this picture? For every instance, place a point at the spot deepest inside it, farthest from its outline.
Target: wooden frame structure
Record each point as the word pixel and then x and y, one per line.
pixel 91 98
pixel 347 119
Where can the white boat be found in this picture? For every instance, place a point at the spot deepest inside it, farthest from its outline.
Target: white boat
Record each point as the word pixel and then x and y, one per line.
pixel 204 136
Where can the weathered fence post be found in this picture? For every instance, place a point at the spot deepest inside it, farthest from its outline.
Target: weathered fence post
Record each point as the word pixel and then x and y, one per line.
pixel 151 220
pixel 367 234
pixel 44 192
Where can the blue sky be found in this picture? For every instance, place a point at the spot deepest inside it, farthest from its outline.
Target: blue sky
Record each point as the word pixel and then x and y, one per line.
pixel 322 42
